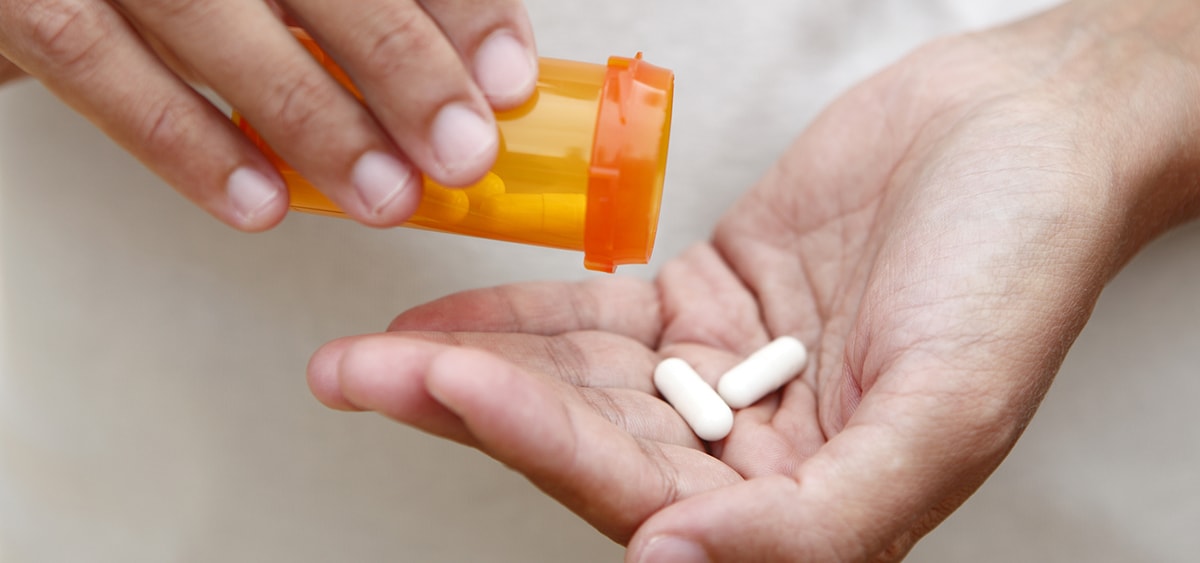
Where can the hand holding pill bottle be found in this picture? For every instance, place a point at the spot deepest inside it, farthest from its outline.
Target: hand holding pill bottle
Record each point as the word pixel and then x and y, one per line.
pixel 581 164
pixel 147 73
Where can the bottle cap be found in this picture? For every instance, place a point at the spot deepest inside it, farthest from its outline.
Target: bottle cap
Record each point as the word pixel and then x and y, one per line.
pixel 629 161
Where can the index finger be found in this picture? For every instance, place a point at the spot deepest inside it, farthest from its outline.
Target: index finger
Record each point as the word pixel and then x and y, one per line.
pixel 624 306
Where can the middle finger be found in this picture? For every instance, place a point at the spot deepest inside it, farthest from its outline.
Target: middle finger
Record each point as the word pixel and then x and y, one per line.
pixel 413 79
pixel 243 52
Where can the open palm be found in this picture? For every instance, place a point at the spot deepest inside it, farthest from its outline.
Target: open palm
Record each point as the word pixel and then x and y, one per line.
pixel 937 238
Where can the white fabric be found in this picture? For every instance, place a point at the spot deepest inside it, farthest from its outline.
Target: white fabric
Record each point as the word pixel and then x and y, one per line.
pixel 153 404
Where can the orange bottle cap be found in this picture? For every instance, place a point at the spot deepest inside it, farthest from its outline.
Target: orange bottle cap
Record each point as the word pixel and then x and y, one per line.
pixel 629 161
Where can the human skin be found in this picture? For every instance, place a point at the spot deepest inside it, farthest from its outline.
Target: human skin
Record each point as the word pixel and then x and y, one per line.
pixel 9 71
pixel 431 73
pixel 938 237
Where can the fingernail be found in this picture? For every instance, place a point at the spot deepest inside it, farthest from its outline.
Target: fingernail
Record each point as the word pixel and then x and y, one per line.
pixel 504 69
pixel 250 192
pixel 380 178
pixel 668 549
pixel 461 137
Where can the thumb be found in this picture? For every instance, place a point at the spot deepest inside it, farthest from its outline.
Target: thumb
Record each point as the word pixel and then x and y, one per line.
pixel 867 495
pixel 756 520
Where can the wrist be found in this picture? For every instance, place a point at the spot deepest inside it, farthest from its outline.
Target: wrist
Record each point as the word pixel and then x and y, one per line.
pixel 1171 27
pixel 1167 105
pixel 1153 53
pixel 1133 69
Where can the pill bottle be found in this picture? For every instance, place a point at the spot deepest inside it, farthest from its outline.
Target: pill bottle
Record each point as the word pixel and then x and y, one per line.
pixel 580 165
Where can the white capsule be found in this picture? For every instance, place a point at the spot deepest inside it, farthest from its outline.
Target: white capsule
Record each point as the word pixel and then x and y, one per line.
pixel 764 371
pixel 694 399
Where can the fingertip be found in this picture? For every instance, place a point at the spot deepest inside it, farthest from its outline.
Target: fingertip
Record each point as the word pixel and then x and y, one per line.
pixel 386 374
pixel 364 379
pixel 388 188
pixel 323 377
pixel 257 201
pixel 505 69
pixel 464 142
pixel 383 374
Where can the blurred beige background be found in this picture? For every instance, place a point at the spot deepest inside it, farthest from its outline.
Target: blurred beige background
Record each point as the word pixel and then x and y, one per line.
pixel 152 396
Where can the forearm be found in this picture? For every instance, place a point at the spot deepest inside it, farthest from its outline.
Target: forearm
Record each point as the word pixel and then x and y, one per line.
pixel 1154 48
pixel 1172 26
pixel 1130 71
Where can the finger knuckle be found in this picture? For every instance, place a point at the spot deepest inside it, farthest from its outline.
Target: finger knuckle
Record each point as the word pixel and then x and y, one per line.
pixel 67 35
pixel 404 36
pixel 179 10
pixel 296 105
pixel 168 126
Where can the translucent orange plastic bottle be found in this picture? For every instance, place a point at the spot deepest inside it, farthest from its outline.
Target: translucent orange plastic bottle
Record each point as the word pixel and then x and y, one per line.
pixel 580 167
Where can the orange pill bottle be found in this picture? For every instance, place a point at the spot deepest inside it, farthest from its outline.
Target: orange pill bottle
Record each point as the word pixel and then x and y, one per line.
pixel 580 167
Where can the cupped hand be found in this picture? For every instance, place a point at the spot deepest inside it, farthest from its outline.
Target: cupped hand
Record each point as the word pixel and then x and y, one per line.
pixel 938 238
pixel 430 72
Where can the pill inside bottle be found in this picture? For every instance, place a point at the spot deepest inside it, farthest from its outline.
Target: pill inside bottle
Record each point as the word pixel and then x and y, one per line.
pixel 764 371
pixel 580 167
pixel 694 399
